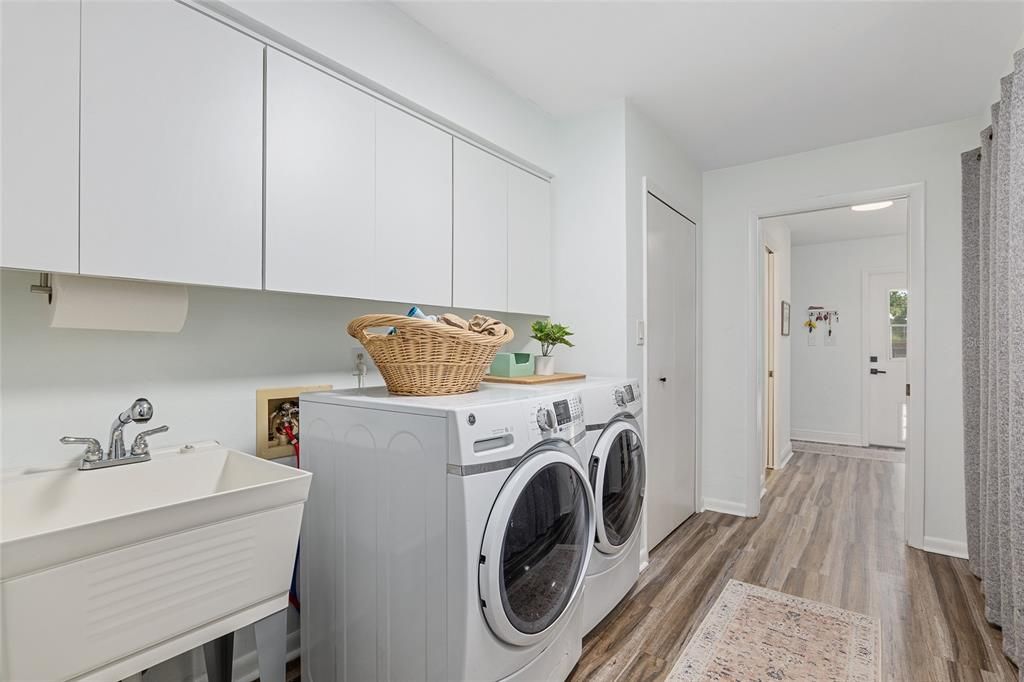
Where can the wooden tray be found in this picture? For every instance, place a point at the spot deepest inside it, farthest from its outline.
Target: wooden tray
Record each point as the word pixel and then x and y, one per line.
pixel 535 378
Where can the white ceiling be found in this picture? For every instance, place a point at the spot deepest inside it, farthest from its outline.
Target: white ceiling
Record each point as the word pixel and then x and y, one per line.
pixel 736 82
pixel 842 224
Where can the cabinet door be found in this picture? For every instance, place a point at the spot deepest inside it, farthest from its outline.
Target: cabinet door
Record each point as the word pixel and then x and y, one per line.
pixel 172 139
pixel 529 243
pixel 480 232
pixel 39 136
pixel 413 254
pixel 319 191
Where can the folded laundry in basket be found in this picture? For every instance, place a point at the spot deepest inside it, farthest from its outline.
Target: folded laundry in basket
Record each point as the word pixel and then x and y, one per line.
pixel 481 324
pixel 453 320
pixel 487 325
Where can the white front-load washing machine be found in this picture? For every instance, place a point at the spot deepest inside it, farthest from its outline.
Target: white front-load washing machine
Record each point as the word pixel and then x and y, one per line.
pixel 445 538
pixel 614 458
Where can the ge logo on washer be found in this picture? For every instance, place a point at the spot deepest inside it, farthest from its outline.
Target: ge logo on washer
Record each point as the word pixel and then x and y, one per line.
pixel 471 419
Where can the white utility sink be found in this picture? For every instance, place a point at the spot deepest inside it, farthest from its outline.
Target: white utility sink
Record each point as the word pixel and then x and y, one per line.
pixel 106 572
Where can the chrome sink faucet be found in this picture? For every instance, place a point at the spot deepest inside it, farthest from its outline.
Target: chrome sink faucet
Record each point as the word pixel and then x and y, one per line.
pixel 140 411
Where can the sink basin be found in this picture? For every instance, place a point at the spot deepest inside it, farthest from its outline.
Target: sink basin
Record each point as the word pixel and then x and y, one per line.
pixel 116 569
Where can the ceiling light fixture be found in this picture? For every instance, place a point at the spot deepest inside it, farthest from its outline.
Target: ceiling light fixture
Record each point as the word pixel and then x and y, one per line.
pixel 878 205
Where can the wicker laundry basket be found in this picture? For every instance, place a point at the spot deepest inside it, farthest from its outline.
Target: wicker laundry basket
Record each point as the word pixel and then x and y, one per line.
pixel 427 358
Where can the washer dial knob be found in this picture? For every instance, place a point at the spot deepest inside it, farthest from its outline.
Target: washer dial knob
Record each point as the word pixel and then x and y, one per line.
pixel 620 397
pixel 546 418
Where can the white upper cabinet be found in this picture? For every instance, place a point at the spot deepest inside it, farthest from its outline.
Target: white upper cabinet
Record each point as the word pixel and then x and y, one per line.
pixel 171 146
pixel 413 252
pixel 319 186
pixel 480 234
pixel 529 243
pixel 39 137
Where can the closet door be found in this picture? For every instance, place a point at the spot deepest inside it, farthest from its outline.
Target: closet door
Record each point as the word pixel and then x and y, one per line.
pixel 319 192
pixel 480 234
pixel 413 254
pixel 39 46
pixel 171 148
pixel 529 243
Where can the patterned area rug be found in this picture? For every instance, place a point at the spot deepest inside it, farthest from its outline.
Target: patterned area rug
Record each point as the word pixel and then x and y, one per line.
pixel 753 633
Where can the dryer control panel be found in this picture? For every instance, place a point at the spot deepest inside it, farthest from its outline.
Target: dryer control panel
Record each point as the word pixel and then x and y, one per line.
pixel 626 394
pixel 557 416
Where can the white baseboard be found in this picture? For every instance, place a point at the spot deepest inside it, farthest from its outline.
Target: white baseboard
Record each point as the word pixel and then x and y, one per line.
pixel 725 507
pixel 836 437
pixel 954 548
pixel 787 453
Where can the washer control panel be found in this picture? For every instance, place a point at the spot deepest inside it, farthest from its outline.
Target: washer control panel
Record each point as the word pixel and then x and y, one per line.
pixel 557 416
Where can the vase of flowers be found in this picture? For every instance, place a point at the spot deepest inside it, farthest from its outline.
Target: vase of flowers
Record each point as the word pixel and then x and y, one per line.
pixel 549 334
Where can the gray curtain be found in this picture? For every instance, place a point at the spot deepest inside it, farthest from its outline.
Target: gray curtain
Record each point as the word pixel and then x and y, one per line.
pixel 993 360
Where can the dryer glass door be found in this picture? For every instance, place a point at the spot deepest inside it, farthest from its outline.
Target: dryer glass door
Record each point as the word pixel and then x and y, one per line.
pixel 541 546
pixel 618 476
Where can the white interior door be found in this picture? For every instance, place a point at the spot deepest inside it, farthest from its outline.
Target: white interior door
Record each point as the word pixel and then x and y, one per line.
pixel 887 350
pixel 671 369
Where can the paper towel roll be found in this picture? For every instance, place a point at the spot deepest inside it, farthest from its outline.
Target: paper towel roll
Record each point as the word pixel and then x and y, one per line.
pixel 99 303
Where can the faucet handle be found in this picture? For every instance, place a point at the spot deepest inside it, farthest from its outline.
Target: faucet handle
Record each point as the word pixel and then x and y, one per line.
pixel 93 449
pixel 140 446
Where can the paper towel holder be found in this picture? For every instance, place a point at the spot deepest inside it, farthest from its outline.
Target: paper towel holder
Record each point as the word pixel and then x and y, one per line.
pixel 43 287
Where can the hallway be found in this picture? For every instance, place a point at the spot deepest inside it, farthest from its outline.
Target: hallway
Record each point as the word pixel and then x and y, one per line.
pixel 831 529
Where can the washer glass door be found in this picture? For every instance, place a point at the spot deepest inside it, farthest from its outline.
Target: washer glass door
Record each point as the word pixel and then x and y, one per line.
pixel 536 546
pixel 618 477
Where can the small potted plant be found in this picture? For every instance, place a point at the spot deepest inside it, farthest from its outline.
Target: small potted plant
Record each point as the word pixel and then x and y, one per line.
pixel 549 334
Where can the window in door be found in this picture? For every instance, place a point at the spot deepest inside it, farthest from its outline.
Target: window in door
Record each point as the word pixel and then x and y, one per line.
pixel 897 324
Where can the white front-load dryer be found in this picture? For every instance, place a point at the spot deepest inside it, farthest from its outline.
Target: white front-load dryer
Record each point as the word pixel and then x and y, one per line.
pixel 615 460
pixel 446 538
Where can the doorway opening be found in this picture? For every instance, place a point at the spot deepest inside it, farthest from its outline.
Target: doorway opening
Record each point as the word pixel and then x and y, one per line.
pixel 840 305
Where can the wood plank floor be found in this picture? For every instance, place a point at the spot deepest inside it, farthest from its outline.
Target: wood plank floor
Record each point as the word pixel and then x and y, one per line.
pixel 830 529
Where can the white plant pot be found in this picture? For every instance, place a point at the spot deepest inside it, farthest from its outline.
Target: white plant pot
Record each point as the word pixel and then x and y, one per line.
pixel 544 365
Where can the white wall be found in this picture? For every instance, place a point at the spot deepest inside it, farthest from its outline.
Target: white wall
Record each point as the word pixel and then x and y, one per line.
pixel 733 195
pixel 381 44
pixel 777 238
pixel 202 381
pixel 651 153
pixel 589 278
pixel 828 380
pixel 602 158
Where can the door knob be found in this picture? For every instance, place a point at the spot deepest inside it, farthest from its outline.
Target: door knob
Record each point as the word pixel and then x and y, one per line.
pixel 878 371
